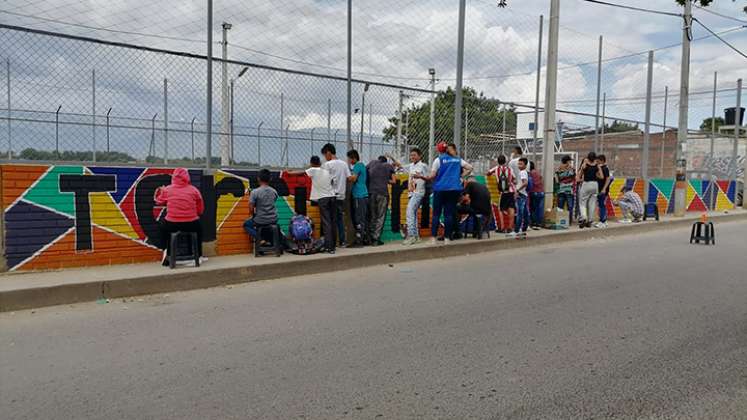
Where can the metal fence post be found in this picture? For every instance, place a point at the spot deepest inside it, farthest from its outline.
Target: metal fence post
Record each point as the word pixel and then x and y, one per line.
pixel 432 122
pixel 664 132
pixel 713 140
pixel 604 121
pixel 57 131
pixel 399 125
pixel 312 140
pixel 209 100
pixel 466 132
pixel 10 135
pixel 108 149
pixel 165 121
pixel 329 120
pixel 370 138
pixel 152 147
pixel 232 126
pixel 599 90
pixel 537 91
pixel 259 144
pixel 93 112
pixel 192 130
pixel 287 152
pixel 503 131
pixel 350 76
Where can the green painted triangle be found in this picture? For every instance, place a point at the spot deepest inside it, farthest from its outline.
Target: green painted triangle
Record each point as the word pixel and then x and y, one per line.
pixel 481 179
pixel 697 185
pixel 47 193
pixel 665 187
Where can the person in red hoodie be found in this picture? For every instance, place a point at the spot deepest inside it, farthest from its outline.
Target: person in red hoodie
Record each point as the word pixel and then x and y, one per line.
pixel 184 206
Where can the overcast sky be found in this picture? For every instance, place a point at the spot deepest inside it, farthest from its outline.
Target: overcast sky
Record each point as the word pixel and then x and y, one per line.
pixel 395 41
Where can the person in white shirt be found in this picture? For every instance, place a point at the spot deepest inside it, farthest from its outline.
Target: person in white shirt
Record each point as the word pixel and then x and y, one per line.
pixel 416 193
pixel 323 193
pixel 522 211
pixel 513 164
pixel 340 172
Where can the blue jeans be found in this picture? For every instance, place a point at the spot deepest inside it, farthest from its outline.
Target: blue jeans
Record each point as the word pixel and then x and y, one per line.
pixel 566 200
pixel 602 204
pixel 522 213
pixel 412 214
pixel 250 228
pixel 444 202
pixel 538 207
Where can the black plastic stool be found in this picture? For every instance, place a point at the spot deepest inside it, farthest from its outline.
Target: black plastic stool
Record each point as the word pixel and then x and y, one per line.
pixel 482 225
pixel 651 210
pixel 697 234
pixel 276 247
pixel 184 246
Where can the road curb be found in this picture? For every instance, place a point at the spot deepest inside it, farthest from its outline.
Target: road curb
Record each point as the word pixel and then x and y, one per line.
pixel 172 281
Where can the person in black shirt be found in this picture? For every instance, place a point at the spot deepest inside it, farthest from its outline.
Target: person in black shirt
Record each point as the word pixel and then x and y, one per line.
pixel 604 190
pixel 588 176
pixel 476 201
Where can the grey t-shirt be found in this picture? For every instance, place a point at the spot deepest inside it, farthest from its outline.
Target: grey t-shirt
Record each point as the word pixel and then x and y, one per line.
pixel 379 175
pixel 263 200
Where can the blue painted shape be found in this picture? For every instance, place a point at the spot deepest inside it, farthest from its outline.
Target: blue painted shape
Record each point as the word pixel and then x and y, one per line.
pixel 653 193
pixel 126 177
pixel 731 194
pixel 29 228
pixel 630 183
pixel 706 194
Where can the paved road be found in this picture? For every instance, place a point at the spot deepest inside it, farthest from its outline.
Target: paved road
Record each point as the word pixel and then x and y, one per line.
pixel 641 327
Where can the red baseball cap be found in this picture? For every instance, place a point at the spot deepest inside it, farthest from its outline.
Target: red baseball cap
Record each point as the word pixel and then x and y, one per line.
pixel 441 147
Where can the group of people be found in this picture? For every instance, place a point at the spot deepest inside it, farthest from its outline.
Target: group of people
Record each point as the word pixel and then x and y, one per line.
pixel 455 195
pixel 591 184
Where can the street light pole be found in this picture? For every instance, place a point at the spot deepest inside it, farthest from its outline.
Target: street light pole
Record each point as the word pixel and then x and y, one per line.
pixel 350 75
pixel 647 126
pixel 680 189
pixel 550 103
pixel 209 95
pixel 225 151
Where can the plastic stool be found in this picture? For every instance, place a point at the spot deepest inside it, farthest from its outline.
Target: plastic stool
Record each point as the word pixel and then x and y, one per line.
pixel 277 245
pixel 697 234
pixel 651 210
pixel 189 249
pixel 482 225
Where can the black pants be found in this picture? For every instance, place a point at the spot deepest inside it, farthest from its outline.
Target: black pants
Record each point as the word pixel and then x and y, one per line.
pixel 328 212
pixel 167 228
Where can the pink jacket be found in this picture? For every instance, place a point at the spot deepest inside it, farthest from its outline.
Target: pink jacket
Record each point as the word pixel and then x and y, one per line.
pixel 183 201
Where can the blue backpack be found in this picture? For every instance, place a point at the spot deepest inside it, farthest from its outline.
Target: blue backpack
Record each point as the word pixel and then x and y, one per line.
pixel 300 228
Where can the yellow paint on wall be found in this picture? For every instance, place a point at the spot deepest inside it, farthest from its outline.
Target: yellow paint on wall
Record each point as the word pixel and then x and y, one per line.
pixel 106 214
pixel 226 202
pixel 723 202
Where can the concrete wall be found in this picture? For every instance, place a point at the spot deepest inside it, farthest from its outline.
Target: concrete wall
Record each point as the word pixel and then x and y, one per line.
pixel 71 216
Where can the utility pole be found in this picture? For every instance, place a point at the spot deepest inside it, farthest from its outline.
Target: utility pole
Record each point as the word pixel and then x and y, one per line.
pixel 459 74
pixel 209 100
pixel 350 75
pixel 599 90
pixel 225 113
pixel 737 129
pixel 432 125
pixel 550 103
pixel 680 188
pixel 535 132
pixel 647 126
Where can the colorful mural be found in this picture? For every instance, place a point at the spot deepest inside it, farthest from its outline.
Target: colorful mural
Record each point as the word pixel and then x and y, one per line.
pixel 71 216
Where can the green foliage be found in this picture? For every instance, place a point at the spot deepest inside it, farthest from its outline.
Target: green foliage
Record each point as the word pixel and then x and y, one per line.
pixel 706 125
pixel 485 117
pixel 703 3
pixel 72 156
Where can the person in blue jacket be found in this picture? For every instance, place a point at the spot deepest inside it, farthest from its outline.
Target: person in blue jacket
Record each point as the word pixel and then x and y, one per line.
pixel 447 171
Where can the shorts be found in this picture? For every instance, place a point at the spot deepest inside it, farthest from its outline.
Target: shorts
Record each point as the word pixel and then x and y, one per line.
pixel 507 201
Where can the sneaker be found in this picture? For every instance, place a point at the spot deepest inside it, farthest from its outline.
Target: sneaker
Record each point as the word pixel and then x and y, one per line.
pixel 522 235
pixel 409 241
pixel 434 241
pixel 600 225
pixel 447 241
pixel 343 245
pixel 203 260
pixel 626 221
pixel 536 227
pixel 511 235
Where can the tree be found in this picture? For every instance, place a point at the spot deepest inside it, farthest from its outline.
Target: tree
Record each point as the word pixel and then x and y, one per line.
pixel 706 125
pixel 484 114
pixel 703 3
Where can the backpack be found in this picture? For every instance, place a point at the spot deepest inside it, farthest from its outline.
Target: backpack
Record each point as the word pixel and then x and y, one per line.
pixel 300 228
pixel 503 181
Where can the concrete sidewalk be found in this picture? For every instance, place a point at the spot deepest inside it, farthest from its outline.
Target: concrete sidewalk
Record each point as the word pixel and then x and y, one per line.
pixel 26 290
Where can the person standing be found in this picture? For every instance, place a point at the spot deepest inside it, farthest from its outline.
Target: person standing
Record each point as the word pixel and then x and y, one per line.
pixel 340 173
pixel 184 205
pixel 536 197
pixel 522 193
pixel 588 176
pixel 516 154
pixel 604 189
pixel 415 193
pixel 565 177
pixel 359 178
pixel 323 194
pixel 446 173
pixel 507 188
pixel 380 177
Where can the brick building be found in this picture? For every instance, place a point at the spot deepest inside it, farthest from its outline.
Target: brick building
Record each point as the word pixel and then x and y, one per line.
pixel 624 152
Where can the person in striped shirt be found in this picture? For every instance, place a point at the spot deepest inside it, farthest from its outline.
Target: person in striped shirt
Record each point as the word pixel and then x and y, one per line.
pixel 631 205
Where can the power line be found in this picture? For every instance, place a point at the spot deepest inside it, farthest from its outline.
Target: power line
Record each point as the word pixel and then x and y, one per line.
pixel 708 10
pixel 638 9
pixel 721 39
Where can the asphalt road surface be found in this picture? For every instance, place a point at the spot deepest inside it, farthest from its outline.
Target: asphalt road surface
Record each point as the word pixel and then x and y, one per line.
pixel 644 327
